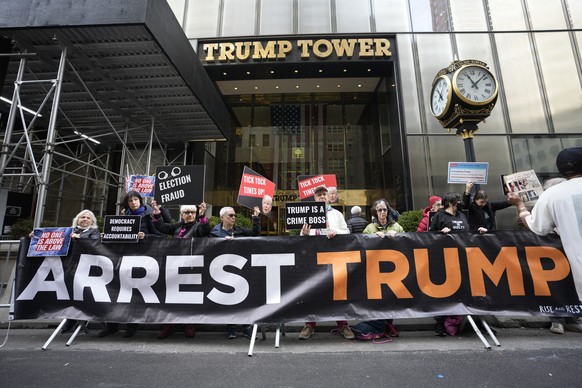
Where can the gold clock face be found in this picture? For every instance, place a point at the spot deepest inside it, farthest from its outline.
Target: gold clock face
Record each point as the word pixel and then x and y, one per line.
pixel 440 96
pixel 475 85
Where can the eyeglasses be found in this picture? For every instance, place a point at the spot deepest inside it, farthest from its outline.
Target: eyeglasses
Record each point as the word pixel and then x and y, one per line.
pixel 381 210
pixel 231 215
pixel 189 212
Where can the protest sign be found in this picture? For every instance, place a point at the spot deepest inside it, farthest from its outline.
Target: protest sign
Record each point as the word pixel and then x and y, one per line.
pixel 256 190
pixel 308 183
pixel 300 213
pixel 50 242
pixel 180 185
pixel 121 228
pixel 143 184
pixel 463 172
pixel 525 184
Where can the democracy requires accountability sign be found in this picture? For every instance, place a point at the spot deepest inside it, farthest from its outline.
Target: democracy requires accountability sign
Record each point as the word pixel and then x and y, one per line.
pixel 294 278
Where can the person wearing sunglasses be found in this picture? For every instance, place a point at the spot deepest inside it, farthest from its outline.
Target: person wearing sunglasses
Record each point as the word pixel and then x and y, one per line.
pixel 228 230
pixel 193 223
pixel 384 223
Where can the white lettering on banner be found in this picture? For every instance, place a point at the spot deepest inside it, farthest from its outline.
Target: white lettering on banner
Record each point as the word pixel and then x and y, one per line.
pixel 39 282
pixel 174 279
pixel 240 284
pixel 173 196
pixel 144 285
pixel 273 268
pixel 97 284
pixel 181 180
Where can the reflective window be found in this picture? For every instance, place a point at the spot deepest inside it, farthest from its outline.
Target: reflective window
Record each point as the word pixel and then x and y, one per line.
pixel 506 15
pixel 546 15
pixel 523 99
pixel 575 8
pixel 314 16
pixel 561 80
pixel 468 15
pixel 353 15
pixel 408 87
pixel 429 15
pixel 391 16
pixel 277 17
pixel 238 18
pixel 202 19
pixel 178 9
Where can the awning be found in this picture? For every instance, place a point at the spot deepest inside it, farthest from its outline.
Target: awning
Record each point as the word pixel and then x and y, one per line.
pixel 129 64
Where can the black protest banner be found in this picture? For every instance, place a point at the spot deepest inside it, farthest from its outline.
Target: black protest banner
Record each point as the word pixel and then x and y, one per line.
pixel 180 185
pixel 299 213
pixel 285 279
pixel 120 229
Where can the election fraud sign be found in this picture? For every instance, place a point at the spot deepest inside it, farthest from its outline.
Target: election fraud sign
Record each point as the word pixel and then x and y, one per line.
pixel 299 213
pixel 143 184
pixel 256 190
pixel 121 228
pixel 294 278
pixel 180 185
pixel 307 184
pixel 50 242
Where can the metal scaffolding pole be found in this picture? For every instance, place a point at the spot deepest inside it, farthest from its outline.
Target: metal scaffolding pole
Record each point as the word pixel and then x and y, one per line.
pixel 120 186
pixel 11 119
pixel 49 146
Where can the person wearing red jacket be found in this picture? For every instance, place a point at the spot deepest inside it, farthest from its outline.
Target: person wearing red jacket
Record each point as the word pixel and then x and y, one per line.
pixel 434 204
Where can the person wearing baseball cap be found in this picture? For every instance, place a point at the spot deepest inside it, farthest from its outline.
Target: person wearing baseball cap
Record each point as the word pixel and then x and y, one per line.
pixel 560 206
pixel 336 224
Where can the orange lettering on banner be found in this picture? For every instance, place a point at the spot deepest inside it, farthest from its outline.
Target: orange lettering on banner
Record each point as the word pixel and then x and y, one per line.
pixel 540 276
pixel 339 268
pixel 506 261
pixel 453 277
pixel 394 279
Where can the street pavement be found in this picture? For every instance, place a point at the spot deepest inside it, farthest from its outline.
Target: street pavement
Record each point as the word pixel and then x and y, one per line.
pixel 527 357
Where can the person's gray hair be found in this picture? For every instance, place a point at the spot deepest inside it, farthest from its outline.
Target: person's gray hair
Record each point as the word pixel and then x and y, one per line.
pixel 552 182
pixel 356 211
pixel 224 210
pixel 91 214
pixel 184 208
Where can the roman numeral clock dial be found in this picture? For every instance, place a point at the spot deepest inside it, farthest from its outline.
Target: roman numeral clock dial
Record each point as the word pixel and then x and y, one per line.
pixel 475 85
pixel 440 96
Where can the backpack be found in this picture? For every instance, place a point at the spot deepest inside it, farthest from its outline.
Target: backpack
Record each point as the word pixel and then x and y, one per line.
pixel 378 331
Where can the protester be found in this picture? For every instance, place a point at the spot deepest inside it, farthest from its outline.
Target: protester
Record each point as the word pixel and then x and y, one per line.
pixel 434 205
pixel 133 204
pixel 560 206
pixel 383 223
pixel 193 224
pixel 335 225
pixel 481 210
pixel 267 205
pixel 228 230
pixel 84 226
pixel 449 219
pixel 332 195
pixel 356 224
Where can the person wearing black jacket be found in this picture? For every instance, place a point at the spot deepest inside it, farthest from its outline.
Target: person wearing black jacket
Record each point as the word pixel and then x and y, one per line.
pixel 481 210
pixel 356 224
pixel 189 226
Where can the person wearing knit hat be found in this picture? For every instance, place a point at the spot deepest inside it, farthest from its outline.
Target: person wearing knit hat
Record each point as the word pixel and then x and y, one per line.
pixel 560 206
pixel 434 204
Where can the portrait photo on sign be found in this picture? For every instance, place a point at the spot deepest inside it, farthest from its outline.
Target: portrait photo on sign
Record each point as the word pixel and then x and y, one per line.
pixel 179 185
pixel 306 184
pixel 256 190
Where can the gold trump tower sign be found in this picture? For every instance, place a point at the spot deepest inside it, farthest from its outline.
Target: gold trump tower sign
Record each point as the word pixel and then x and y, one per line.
pixel 301 49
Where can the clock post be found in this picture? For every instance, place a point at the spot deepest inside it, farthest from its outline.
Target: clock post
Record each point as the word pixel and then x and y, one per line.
pixel 463 94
